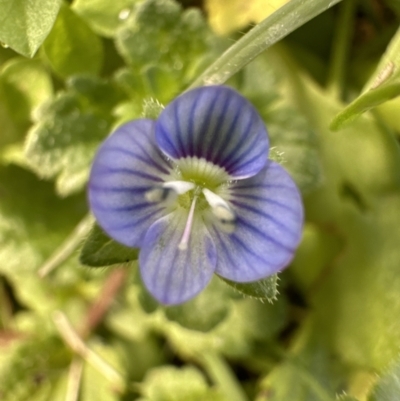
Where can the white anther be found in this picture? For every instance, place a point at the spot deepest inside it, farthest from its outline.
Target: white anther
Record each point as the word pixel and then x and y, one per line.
pixel 180 187
pixel 188 227
pixel 221 210
pixel 168 192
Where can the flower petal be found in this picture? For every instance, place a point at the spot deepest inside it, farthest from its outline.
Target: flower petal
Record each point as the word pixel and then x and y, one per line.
pixel 218 124
pixel 126 166
pixel 268 229
pixel 173 275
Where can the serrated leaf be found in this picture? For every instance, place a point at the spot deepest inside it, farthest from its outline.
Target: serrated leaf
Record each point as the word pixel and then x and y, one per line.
pixel 159 33
pixel 100 250
pixel 205 311
pixel 177 384
pixel 24 24
pixel 104 16
pixel 383 85
pixel 68 132
pixel 72 47
pixel 387 387
pixel 266 289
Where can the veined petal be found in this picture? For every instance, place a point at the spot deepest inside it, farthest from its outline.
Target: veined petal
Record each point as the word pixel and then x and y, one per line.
pixel 218 124
pixel 268 227
pixel 126 166
pixel 173 275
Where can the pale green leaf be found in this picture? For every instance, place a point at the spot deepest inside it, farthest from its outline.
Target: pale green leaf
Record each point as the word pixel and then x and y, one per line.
pixel 383 85
pixel 25 84
pixel 68 132
pixel 387 387
pixel 104 16
pixel 205 311
pixel 158 33
pixel 177 384
pixel 72 47
pixel 24 24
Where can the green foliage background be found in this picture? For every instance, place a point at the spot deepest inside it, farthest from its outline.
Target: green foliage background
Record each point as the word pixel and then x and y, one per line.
pixel 325 329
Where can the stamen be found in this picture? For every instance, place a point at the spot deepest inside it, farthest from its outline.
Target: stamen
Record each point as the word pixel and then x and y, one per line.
pixel 221 210
pixel 188 227
pixel 168 192
pixel 180 187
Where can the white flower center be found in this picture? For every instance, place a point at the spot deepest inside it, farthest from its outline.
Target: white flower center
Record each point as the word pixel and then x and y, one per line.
pixel 197 185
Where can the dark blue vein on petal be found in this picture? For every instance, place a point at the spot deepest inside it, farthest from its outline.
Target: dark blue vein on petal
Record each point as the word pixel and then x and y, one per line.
pixel 132 190
pixel 129 208
pixel 216 134
pixel 123 227
pixel 263 235
pixel 263 199
pixel 178 132
pixel 266 215
pixel 106 170
pixel 151 158
pixel 227 254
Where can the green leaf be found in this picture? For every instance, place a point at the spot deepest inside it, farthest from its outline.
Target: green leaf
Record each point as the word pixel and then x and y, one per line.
pixel 100 250
pixel 205 311
pixel 159 33
pixel 42 356
pixel 104 16
pixel 266 289
pixel 383 85
pixel 292 136
pixel 387 387
pixel 308 368
pixel 33 221
pixel 25 84
pixel 68 132
pixel 177 384
pixel 72 47
pixel 24 24
pixel 293 141
pixel 94 385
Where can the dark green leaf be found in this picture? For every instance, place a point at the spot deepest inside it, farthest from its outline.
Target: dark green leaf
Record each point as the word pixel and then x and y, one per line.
pixel 100 250
pixel 72 47
pixel 24 24
pixel 266 289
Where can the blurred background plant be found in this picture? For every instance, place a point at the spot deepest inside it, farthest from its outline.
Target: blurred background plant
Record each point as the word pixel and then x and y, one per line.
pixel 325 329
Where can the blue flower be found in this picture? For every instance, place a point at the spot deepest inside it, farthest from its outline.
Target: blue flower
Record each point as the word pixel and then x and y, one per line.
pixel 196 193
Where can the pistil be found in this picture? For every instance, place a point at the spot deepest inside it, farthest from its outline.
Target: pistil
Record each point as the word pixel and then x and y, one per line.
pixel 188 227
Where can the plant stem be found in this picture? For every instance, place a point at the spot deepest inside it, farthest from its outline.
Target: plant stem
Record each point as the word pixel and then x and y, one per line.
pixel 275 27
pixel 66 249
pixel 341 48
pixel 72 339
pixel 223 376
